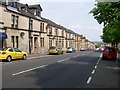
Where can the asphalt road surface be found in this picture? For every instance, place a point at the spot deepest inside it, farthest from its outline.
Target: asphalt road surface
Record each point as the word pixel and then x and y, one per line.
pixel 83 69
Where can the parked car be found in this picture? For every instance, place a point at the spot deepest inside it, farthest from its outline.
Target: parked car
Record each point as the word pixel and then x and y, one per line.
pixel 96 49
pixel 119 50
pixel 55 50
pixel 74 50
pixel 82 49
pixel 101 49
pixel 64 50
pixel 12 53
pixel 70 50
pixel 109 52
pixel 89 49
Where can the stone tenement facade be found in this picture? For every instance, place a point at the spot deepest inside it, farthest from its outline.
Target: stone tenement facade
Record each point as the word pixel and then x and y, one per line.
pixel 23 27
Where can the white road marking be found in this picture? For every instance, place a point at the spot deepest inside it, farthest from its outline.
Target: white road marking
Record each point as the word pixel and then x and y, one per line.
pixel 78 55
pixel 89 79
pixel 93 71
pixel 95 66
pixel 101 55
pixel 99 58
pixel 29 70
pixel 98 61
pixel 63 60
pixel 75 56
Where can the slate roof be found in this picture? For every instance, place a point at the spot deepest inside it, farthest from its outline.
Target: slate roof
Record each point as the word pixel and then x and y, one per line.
pixel 21 5
pixel 51 23
pixel 37 6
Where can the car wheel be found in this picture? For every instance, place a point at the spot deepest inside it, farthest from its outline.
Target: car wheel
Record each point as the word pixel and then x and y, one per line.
pixel 59 53
pixel 114 59
pixel 103 58
pixel 9 58
pixel 118 60
pixel 24 57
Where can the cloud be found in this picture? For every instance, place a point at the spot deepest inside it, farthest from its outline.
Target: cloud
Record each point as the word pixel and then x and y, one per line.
pixel 84 26
pixel 74 16
pixel 89 30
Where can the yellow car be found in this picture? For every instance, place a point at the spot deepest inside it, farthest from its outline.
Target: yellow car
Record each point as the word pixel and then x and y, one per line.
pixel 64 50
pixel 12 53
pixel 55 50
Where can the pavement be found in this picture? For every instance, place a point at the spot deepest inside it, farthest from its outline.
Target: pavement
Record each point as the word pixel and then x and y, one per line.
pixel 118 56
pixel 36 55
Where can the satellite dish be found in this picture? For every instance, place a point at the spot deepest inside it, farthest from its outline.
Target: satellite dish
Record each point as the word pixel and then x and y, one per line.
pixel 22 34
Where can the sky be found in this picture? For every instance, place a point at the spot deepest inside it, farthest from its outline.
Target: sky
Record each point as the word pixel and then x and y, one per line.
pixel 72 14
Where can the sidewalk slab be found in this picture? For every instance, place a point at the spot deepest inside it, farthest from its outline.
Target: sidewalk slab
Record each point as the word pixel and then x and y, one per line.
pixel 36 55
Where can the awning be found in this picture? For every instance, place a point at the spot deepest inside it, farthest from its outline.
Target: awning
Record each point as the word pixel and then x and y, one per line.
pixel 3 35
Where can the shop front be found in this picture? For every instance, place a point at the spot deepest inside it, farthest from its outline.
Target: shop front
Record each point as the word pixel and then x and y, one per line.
pixel 3 37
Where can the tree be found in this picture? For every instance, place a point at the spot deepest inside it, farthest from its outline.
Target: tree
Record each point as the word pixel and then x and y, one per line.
pixel 108 13
pixel 111 34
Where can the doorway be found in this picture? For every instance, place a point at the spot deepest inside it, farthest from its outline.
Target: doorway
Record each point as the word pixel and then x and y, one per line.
pixel 35 44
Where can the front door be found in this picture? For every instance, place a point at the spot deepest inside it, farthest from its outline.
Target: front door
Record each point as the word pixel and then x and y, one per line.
pixel 1 43
pixel 35 44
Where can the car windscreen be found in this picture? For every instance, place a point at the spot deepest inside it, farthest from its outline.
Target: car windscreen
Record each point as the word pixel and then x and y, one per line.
pixel 3 49
pixel 69 48
pixel 52 48
pixel 110 50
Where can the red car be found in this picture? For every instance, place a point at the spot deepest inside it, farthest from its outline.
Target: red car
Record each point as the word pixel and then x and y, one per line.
pixel 109 52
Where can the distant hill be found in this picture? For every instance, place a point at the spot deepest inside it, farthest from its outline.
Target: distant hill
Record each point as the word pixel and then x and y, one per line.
pixel 98 42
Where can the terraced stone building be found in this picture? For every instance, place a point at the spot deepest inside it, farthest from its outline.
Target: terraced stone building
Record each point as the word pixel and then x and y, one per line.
pixel 23 27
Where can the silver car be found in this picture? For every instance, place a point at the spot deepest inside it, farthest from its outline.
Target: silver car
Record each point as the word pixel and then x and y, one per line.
pixel 70 50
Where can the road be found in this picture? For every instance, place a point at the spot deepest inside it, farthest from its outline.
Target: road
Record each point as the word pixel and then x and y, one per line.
pixel 70 70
